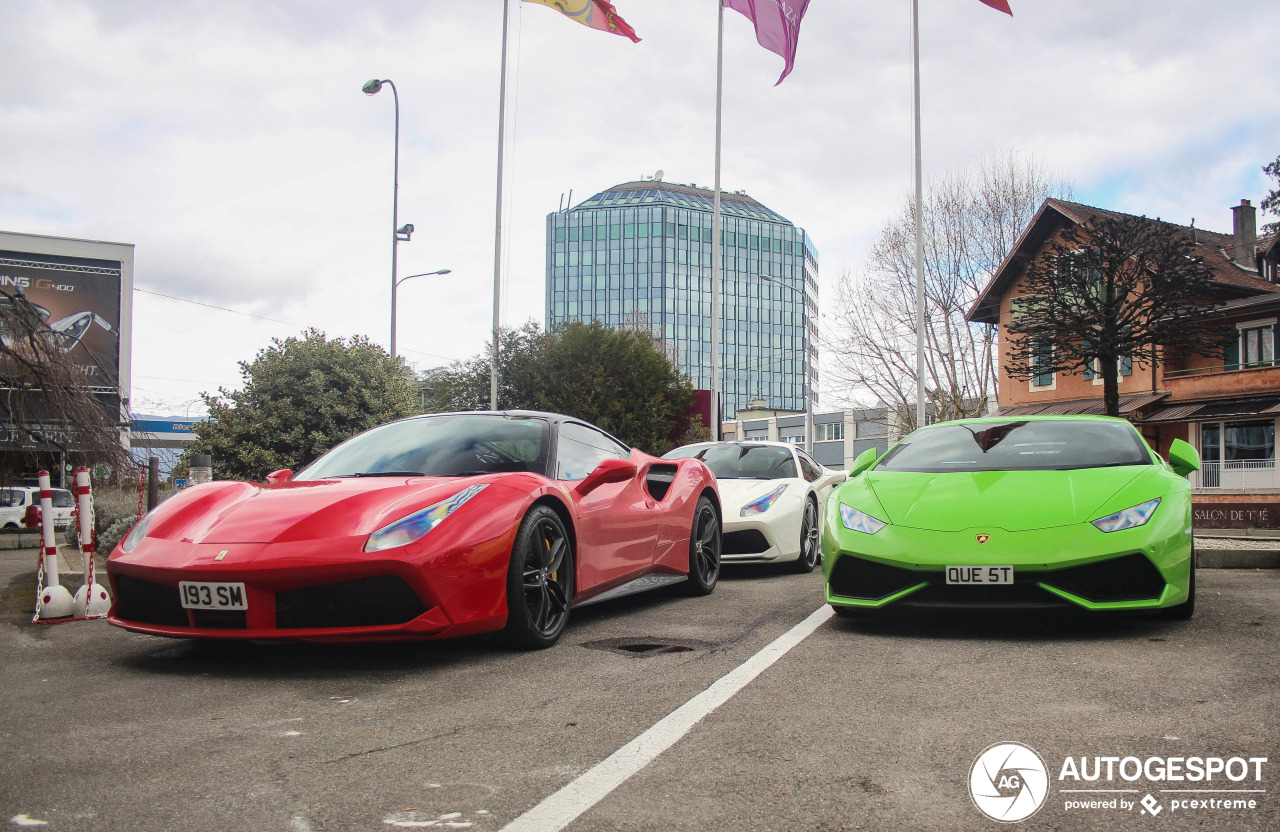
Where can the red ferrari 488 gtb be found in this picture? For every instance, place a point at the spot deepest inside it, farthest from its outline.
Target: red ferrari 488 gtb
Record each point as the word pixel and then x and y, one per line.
pixel 430 527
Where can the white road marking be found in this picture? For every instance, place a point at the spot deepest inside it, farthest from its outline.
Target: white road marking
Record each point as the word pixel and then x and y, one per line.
pixel 562 808
pixel 23 820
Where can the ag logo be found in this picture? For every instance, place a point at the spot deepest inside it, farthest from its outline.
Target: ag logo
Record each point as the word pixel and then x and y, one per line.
pixel 1008 782
pixel 983 538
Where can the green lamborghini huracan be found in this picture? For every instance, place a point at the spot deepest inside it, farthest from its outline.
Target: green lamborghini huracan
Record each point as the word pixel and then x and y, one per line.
pixel 1014 512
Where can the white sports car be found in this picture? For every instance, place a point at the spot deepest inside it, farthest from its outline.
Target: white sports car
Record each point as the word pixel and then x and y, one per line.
pixel 773 495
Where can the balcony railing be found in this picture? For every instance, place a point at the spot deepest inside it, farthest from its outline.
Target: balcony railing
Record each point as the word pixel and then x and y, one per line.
pixel 1194 372
pixel 1248 473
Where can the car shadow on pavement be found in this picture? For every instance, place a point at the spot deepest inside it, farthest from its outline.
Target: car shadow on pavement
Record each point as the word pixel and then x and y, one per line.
pixel 306 660
pixel 1027 626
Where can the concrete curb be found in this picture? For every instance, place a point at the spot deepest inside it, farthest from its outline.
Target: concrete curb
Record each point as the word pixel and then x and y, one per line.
pixel 1238 558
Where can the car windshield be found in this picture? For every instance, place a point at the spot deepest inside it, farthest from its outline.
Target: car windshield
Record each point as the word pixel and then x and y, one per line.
pixel 1017 446
pixel 439 446
pixel 741 461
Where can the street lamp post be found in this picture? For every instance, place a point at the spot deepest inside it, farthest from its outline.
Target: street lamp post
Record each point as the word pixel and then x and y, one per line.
pixel 398 233
pixel 394 287
pixel 804 346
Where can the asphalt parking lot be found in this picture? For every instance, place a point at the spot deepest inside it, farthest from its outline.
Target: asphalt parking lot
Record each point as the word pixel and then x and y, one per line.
pixel 860 725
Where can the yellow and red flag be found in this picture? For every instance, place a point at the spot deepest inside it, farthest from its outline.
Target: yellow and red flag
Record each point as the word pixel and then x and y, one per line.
pixel 598 14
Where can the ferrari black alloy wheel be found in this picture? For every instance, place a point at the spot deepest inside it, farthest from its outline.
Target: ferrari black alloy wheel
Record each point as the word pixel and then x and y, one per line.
pixel 539 580
pixel 809 545
pixel 704 549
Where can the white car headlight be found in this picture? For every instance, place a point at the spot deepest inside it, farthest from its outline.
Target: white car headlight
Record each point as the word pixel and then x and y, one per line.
pixel 859 521
pixel 135 535
pixel 1128 518
pixel 408 529
pixel 762 504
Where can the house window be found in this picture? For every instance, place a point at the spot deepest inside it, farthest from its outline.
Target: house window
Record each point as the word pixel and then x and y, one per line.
pixel 1238 454
pixel 794 438
pixel 1041 360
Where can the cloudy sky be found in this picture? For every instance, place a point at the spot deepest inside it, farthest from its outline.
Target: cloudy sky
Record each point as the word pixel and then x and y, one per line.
pixel 230 142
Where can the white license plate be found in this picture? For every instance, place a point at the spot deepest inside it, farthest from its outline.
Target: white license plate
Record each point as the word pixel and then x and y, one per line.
pixel 206 595
pixel 980 575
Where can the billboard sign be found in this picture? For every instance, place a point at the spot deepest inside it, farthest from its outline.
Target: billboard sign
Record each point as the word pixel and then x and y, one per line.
pixel 79 299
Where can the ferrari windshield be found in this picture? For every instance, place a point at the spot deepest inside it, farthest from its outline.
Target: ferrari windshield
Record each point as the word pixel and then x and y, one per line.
pixel 455 445
pixel 741 461
pixel 1018 446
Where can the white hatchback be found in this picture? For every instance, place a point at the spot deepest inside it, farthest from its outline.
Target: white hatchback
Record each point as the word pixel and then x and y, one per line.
pixel 14 500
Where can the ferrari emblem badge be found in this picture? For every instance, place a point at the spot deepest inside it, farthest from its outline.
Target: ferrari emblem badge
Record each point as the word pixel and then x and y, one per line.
pixel 222 554
pixel 982 538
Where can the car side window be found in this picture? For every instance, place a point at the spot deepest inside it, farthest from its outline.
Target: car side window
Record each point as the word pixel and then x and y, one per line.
pixel 812 471
pixel 62 499
pixel 580 449
pixel 10 498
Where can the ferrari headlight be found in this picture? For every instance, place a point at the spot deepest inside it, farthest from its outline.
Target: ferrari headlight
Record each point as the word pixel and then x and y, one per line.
pixel 135 535
pixel 1128 518
pixel 408 529
pixel 859 521
pixel 761 504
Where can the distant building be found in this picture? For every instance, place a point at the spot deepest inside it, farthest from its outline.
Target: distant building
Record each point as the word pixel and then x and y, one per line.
pixel 838 436
pixel 639 253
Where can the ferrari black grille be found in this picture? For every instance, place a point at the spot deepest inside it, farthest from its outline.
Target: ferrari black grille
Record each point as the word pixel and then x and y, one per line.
pixel 365 602
pixel 1128 578
pixel 148 603
pixel 220 619
pixel 854 577
pixel 745 542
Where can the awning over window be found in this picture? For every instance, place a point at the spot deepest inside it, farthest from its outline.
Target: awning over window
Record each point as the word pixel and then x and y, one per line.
pixel 1215 410
pixel 1083 407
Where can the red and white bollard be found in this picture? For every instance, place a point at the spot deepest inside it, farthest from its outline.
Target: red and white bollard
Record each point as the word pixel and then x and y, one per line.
pixel 92 599
pixel 54 601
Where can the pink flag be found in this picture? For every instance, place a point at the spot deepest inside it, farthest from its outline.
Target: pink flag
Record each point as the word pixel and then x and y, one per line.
pixel 777 25
pixel 999 5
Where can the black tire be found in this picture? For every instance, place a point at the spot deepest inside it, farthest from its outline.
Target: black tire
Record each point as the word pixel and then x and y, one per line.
pixel 810 541
pixel 704 550
pixel 1184 611
pixel 539 581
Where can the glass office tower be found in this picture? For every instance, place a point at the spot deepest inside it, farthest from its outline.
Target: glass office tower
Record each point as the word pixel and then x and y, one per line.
pixel 640 254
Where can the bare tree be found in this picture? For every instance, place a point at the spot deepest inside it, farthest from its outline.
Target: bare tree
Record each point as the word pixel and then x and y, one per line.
pixel 49 412
pixel 972 218
pixel 1119 287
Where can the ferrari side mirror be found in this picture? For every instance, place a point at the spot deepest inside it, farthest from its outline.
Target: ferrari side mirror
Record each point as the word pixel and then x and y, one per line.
pixel 1183 458
pixel 283 475
pixel 609 470
pixel 864 461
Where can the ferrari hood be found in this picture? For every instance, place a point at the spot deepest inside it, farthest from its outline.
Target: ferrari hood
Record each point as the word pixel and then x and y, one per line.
pixel 1009 500
pixel 245 512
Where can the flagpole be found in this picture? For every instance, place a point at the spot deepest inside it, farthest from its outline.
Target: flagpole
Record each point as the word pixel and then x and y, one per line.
pixel 716 244
pixel 915 42
pixel 497 230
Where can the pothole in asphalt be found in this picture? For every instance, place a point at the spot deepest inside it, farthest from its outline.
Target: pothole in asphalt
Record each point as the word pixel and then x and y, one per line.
pixel 642 647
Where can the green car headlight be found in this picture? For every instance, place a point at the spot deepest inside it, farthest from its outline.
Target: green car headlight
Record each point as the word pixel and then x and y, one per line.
pixel 408 529
pixel 762 504
pixel 859 521
pixel 1128 518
